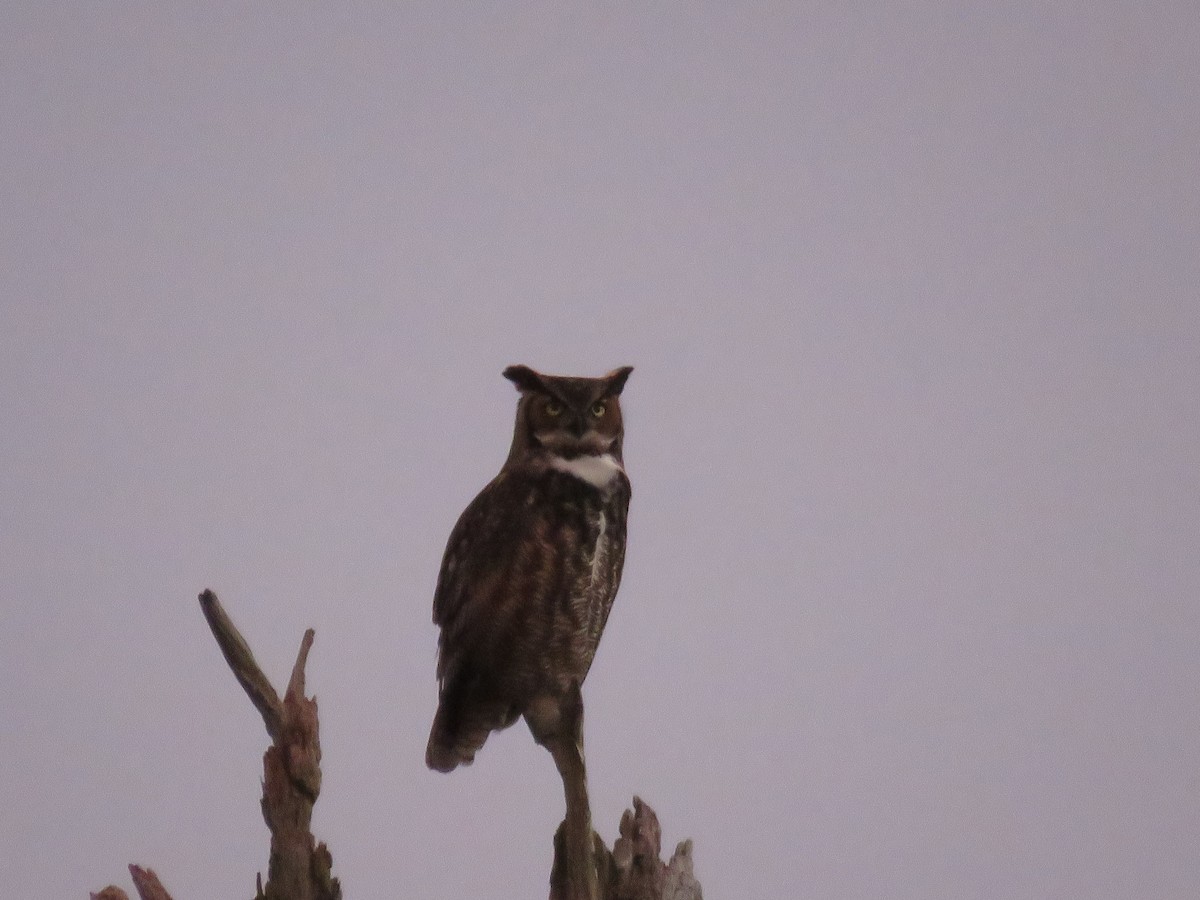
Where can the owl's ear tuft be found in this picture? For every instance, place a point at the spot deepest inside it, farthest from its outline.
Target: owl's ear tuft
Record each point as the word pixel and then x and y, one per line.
pixel 524 378
pixel 616 381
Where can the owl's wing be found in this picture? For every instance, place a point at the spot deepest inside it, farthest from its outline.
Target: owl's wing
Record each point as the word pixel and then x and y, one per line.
pixel 468 605
pixel 480 549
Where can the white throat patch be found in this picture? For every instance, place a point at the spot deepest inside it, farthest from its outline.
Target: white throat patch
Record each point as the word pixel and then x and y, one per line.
pixel 598 471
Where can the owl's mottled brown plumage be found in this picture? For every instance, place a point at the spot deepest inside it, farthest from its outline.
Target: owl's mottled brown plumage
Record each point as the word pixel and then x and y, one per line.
pixel 530 573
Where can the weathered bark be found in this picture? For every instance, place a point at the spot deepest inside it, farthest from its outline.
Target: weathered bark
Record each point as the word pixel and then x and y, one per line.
pixel 147 884
pixel 299 867
pixel 633 869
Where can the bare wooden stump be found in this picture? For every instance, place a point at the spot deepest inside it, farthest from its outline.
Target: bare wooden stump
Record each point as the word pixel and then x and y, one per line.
pixel 633 869
pixel 299 868
pixel 147 884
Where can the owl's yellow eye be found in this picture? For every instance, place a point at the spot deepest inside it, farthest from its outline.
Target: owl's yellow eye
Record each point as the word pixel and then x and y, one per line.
pixel 553 408
pixel 599 408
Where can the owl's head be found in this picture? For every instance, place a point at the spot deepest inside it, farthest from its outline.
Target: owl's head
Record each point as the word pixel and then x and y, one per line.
pixel 567 417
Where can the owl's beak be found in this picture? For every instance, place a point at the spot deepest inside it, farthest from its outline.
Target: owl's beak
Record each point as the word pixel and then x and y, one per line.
pixel 578 426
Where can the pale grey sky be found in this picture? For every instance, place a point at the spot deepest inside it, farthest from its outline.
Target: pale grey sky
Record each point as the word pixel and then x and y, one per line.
pixel 912 604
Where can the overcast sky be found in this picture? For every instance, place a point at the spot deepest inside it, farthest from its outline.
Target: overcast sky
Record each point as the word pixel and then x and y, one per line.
pixel 912 600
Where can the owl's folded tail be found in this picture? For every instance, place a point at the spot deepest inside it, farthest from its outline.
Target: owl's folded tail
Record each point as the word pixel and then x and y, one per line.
pixel 457 733
pixel 446 750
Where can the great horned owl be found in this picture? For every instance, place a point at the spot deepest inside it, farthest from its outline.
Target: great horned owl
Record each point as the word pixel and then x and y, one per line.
pixel 528 579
